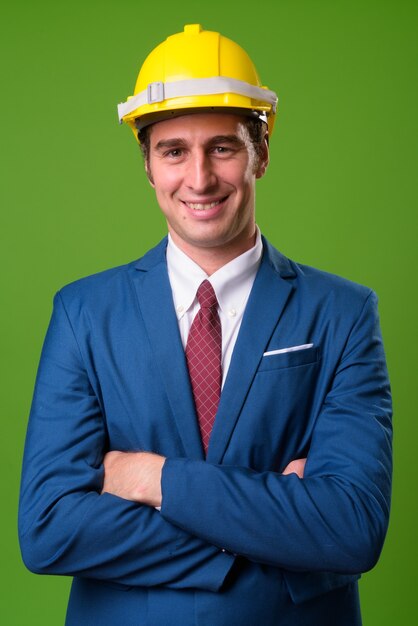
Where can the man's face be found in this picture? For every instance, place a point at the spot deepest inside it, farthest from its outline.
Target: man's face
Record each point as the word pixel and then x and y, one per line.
pixel 203 168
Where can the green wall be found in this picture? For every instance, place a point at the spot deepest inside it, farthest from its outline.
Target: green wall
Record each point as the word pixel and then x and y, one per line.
pixel 339 195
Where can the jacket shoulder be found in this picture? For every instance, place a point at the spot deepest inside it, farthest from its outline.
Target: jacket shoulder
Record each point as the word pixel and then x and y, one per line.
pixel 323 280
pixel 90 287
pixel 108 283
pixel 333 295
pixel 318 286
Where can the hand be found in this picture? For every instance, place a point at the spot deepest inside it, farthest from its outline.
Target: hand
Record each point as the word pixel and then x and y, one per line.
pixel 134 476
pixel 295 467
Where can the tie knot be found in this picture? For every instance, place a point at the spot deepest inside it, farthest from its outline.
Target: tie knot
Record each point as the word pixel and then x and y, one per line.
pixel 206 295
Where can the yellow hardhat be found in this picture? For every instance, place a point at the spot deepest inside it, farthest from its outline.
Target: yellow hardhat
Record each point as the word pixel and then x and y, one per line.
pixel 196 69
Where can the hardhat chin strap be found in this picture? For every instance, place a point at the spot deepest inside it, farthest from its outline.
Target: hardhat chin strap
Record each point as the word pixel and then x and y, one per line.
pixel 157 92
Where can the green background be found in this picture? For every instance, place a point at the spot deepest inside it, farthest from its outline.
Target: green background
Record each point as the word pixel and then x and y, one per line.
pixel 339 195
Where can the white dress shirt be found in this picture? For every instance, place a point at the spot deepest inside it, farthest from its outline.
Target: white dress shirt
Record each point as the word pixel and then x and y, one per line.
pixel 232 284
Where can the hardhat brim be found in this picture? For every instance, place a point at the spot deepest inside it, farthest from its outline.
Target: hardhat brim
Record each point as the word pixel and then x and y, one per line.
pixel 152 118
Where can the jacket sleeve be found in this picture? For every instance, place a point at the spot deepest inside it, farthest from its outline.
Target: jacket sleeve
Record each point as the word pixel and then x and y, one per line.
pixel 65 525
pixel 335 518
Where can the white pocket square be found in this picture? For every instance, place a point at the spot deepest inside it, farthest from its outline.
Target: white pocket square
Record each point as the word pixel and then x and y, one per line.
pixel 304 346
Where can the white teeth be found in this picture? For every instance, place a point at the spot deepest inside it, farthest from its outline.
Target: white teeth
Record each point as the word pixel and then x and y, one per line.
pixel 198 206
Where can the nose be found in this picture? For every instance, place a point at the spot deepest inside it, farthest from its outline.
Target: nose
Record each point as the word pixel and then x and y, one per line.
pixel 200 175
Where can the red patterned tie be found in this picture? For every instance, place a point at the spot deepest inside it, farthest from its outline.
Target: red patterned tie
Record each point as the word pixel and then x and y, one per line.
pixel 203 354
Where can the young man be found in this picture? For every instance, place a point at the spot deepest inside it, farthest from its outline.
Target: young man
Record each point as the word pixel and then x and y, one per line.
pixel 180 396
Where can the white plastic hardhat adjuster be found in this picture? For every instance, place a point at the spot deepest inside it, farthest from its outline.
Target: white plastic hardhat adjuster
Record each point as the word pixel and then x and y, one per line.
pixel 155 92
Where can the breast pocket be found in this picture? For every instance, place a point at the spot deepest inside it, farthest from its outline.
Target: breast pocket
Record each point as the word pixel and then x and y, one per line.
pixel 294 357
pixel 278 416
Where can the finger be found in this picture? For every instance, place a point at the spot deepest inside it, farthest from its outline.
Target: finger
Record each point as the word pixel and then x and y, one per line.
pixel 295 467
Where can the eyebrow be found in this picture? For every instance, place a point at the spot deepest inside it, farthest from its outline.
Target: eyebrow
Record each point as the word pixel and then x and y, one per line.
pixel 231 139
pixel 169 143
pixel 176 142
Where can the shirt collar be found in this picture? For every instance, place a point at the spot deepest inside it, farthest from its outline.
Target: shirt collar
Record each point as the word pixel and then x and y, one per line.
pixel 232 282
pixel 185 277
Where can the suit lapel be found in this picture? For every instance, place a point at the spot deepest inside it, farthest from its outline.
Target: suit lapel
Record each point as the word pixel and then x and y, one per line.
pixel 267 300
pixel 156 305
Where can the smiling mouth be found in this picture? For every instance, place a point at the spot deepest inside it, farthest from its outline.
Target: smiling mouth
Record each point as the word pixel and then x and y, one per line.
pixel 203 206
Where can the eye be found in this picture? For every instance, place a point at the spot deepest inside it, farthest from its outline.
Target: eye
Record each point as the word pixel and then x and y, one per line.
pixel 174 153
pixel 222 152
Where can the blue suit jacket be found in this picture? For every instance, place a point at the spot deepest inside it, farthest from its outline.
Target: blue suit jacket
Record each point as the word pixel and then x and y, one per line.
pixel 235 541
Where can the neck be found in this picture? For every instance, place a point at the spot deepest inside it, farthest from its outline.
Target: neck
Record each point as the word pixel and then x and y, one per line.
pixel 212 259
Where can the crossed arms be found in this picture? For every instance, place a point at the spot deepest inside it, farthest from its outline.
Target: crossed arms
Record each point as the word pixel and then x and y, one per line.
pixel 136 476
pixel 77 519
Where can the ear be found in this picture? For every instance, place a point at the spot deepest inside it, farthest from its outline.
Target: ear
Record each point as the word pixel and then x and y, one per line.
pixel 263 159
pixel 149 174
